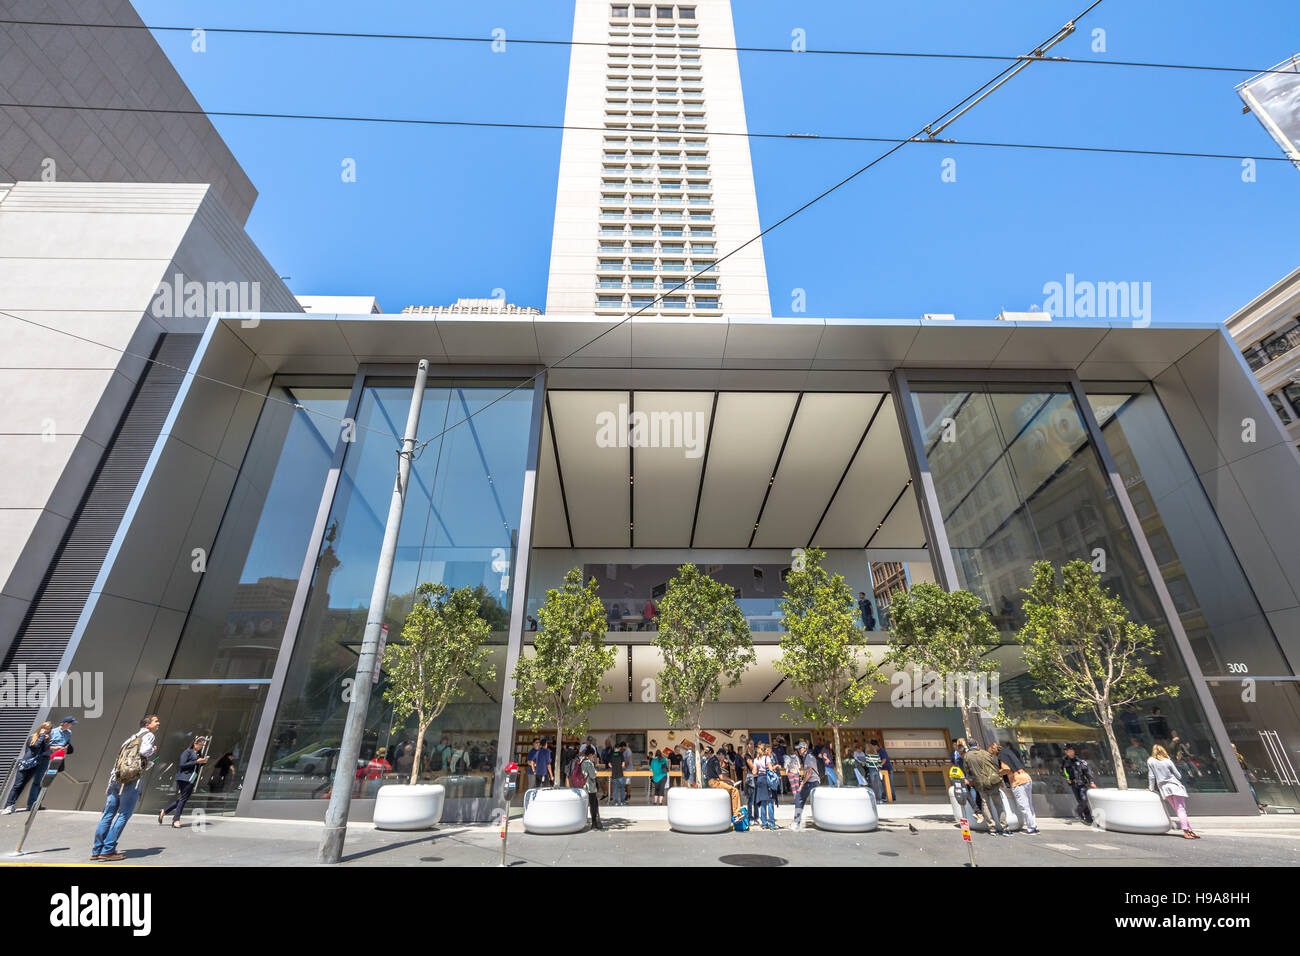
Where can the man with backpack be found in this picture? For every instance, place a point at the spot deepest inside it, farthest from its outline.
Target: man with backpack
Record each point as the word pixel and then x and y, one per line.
pixel 986 779
pixel 124 786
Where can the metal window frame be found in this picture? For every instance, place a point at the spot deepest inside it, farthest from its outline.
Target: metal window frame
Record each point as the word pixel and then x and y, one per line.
pixel 290 808
pixel 900 382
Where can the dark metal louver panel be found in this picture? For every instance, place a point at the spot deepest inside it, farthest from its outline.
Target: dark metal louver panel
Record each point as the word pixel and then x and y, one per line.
pixel 45 633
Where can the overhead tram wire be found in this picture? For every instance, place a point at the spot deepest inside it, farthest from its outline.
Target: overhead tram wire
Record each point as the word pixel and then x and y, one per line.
pixel 827 137
pixel 979 93
pixel 997 80
pixel 534 41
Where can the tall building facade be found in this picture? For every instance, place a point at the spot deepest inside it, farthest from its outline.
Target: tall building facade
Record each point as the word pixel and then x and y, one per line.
pixel 655 182
pixel 1268 332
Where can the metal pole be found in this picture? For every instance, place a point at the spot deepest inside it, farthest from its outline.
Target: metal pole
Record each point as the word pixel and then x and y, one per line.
pixel 336 816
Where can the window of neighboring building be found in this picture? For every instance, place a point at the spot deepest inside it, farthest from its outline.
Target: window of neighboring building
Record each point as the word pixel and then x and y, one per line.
pixel 686 13
pixel 1292 393
pixel 642 11
pixel 706 283
pixel 1280 407
pixel 618 10
pixel 706 301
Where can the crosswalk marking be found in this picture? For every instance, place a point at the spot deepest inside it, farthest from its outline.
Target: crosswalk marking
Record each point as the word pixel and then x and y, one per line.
pixel 1063 847
pixel 1102 846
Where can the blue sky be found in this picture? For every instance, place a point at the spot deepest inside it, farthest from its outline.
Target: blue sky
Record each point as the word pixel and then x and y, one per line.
pixel 442 212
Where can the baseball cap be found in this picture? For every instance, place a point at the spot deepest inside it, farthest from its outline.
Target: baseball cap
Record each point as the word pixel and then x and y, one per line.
pixel 68 720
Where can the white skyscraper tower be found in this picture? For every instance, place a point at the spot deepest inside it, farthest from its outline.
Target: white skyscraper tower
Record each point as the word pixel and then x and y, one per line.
pixel 650 191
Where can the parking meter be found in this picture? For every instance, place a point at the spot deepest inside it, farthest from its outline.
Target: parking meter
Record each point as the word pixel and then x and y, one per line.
pixel 510 782
pixel 960 791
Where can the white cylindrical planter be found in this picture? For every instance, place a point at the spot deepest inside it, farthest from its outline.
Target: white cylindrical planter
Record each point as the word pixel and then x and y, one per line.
pixel 1007 809
pixel 555 810
pixel 1128 811
pixel 703 810
pixel 405 807
pixel 844 809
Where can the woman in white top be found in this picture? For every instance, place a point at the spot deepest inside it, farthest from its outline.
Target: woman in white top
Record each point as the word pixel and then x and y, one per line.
pixel 1164 778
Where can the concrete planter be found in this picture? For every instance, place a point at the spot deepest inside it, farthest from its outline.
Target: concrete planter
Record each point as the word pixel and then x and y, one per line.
pixel 405 807
pixel 1007 810
pixel 555 810
pixel 1128 811
pixel 706 810
pixel 844 809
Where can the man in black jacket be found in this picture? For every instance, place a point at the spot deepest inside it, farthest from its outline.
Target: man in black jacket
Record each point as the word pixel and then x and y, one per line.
pixel 1079 776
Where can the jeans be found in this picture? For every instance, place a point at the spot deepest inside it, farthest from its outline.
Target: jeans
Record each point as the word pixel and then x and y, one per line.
pixel 1024 794
pixel 36 775
pixel 767 813
pixel 862 781
pixel 618 791
pixel 593 804
pixel 183 790
pixel 877 785
pixel 118 807
pixel 992 809
pixel 801 796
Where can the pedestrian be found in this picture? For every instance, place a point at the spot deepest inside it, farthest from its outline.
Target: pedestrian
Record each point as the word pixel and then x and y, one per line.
pixel 715 776
pixel 1163 777
pixel 1018 779
pixel 860 765
pixel 222 771
pixel 826 758
pixel 658 775
pixel 873 764
pixel 808 780
pixel 186 776
pixel 1251 779
pixel 985 777
pixel 688 763
pixel 124 785
pixel 767 783
pixel 865 609
pixel 31 767
pixel 539 764
pixel 617 782
pixel 1078 775
pixel 886 769
pixel 583 776
pixel 648 614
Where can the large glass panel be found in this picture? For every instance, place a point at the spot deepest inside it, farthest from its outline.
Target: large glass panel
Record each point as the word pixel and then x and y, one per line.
pixel 236 624
pixel 1263 723
pixel 1018 481
pixel 1220 613
pixel 460 528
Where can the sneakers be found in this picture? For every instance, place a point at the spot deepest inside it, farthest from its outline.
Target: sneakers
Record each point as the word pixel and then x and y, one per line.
pixel 1032 830
pixel 6 810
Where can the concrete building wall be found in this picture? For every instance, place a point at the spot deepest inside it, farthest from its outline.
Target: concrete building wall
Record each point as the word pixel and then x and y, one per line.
pixel 62 66
pixel 84 261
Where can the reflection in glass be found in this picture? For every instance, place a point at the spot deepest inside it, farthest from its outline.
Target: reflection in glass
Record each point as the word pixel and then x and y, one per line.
pixel 1018 481
pixel 459 527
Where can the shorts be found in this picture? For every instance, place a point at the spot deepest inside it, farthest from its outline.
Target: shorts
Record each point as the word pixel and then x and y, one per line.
pixel 659 787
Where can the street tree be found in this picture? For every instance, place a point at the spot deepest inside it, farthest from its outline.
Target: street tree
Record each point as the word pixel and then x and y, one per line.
pixel 942 632
pixel 559 683
pixel 705 644
pixel 441 652
pixel 823 651
pixel 1082 649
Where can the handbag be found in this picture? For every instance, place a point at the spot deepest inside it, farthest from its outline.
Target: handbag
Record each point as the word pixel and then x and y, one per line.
pixel 27 763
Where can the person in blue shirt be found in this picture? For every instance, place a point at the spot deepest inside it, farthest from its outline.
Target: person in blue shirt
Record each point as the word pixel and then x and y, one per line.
pixel 539 764
pixel 886 767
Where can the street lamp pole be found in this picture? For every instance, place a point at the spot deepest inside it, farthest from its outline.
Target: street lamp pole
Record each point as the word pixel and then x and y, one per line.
pixel 336 816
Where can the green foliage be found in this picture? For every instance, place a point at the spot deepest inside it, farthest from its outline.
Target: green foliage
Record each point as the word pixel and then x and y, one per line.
pixel 947 632
pixel 1081 648
pixel 823 652
pixel 704 642
pixel 441 651
pixel 558 685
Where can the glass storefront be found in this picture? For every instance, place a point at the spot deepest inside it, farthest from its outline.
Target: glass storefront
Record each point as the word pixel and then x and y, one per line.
pixel 1018 480
pixel 220 674
pixel 460 528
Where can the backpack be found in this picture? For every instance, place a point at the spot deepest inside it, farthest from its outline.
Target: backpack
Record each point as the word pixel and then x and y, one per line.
pixel 576 777
pixel 741 820
pixel 129 764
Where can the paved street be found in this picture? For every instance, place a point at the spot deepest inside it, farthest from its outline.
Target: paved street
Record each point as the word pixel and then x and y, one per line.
pixel 63 837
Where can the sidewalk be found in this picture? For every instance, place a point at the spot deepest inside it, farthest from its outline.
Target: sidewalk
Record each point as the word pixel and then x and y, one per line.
pixel 909 835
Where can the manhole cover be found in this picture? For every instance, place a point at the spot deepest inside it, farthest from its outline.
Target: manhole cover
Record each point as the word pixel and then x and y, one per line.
pixel 886 853
pixel 752 859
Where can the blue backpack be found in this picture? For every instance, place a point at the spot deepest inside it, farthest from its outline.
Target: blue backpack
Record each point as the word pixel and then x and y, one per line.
pixel 741 820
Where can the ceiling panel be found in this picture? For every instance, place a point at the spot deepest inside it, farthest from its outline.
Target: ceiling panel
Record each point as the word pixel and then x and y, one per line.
pixel 668 476
pixel 877 475
pixel 550 530
pixel 825 434
pixel 595 472
pixel 747 435
pixel 903 528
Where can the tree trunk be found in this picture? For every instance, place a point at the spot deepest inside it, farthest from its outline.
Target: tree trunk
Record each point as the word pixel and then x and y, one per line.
pixel 1121 779
pixel 699 759
pixel 419 746
pixel 965 713
pixel 839 760
pixel 557 772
